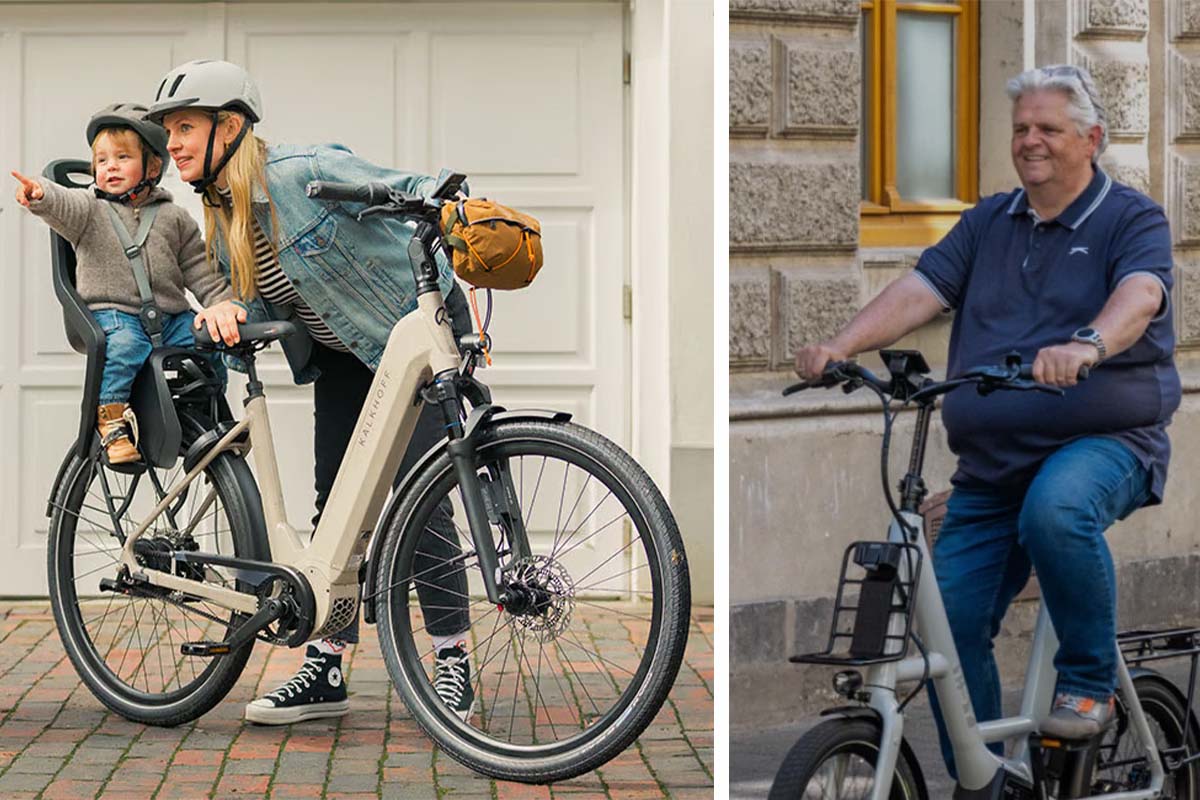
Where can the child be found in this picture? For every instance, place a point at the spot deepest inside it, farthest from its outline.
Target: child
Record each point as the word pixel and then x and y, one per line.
pixel 128 156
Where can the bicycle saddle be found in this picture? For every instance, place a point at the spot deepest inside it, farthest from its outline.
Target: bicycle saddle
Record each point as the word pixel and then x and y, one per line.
pixel 251 332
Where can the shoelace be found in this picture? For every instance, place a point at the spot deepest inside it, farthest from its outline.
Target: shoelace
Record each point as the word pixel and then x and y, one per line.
pixel 450 679
pixel 301 681
pixel 131 420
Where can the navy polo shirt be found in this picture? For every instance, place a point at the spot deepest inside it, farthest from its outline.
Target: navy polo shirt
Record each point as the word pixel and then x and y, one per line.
pixel 1022 283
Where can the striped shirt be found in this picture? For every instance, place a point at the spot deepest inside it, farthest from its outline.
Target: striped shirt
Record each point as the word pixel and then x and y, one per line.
pixel 276 289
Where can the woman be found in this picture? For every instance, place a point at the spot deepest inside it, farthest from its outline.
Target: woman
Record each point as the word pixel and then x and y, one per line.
pixel 345 283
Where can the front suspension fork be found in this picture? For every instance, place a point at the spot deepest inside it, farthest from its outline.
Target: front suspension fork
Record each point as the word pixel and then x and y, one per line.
pixel 496 504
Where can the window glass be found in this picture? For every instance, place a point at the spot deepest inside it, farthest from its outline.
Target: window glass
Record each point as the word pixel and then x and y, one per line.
pixel 925 140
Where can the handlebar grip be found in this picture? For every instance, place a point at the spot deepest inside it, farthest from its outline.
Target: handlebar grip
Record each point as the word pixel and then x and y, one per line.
pixel 202 338
pixel 370 193
pixel 1027 372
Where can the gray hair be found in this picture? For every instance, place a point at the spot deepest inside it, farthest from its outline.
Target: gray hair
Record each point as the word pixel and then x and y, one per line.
pixel 1083 101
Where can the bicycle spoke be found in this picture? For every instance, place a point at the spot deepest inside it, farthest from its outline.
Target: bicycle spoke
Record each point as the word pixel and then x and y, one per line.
pixel 593 535
pixel 560 659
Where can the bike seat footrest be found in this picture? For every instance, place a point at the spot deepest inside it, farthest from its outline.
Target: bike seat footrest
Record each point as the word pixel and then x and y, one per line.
pixel 205 649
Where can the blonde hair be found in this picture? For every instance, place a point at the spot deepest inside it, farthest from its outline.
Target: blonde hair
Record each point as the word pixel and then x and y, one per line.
pixel 129 138
pixel 243 171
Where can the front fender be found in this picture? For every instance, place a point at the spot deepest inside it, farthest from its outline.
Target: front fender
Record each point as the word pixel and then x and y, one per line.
pixel 481 418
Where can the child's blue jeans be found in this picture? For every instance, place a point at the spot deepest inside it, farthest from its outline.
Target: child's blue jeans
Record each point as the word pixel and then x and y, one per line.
pixel 127 346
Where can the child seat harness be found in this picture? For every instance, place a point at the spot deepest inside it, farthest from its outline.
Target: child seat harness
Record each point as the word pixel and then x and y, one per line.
pixel 150 313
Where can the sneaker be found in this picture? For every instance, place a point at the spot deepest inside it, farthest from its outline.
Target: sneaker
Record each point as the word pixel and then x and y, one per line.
pixel 1075 717
pixel 116 421
pixel 317 690
pixel 452 680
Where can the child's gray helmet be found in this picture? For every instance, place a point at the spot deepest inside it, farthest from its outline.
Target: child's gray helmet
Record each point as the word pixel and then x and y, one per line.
pixel 132 116
pixel 207 85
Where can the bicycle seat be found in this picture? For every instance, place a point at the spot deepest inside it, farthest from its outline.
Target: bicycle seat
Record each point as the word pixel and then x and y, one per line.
pixel 252 334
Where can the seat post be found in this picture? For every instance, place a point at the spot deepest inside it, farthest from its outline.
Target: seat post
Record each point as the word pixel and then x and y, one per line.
pixel 254 387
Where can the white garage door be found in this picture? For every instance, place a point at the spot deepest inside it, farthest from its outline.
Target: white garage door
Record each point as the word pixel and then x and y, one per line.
pixel 526 99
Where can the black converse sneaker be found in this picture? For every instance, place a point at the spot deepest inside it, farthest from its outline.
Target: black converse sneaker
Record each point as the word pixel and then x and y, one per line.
pixel 452 680
pixel 317 690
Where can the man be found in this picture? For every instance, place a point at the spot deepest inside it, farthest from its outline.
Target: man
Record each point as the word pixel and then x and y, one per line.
pixel 1071 270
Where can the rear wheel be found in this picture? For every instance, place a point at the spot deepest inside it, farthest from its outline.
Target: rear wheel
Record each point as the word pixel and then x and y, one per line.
pixel 126 648
pixel 1120 763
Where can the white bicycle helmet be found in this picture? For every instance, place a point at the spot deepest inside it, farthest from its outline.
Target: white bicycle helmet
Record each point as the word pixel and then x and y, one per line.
pixel 212 86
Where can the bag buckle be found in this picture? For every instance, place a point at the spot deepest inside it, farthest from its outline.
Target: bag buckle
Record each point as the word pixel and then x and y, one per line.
pixel 133 251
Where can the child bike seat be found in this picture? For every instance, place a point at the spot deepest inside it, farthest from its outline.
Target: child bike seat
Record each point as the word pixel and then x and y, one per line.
pixel 172 378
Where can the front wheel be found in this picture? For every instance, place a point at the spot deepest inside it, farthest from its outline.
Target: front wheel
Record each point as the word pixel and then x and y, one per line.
pixel 837 759
pixel 568 675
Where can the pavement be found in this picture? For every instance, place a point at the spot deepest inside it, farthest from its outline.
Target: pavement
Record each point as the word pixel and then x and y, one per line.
pixel 57 741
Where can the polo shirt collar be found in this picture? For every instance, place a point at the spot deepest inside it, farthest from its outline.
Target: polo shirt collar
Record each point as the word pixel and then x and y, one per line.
pixel 1081 207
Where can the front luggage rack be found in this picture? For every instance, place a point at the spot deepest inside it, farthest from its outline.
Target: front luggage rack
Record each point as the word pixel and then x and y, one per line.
pixel 872 602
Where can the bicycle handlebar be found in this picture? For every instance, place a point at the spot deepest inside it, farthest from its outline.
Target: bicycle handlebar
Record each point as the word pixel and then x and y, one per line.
pixel 373 194
pixel 1016 377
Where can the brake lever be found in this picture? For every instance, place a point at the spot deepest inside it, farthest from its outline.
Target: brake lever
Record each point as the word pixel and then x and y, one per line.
pixel 373 210
pixel 819 383
pixel 1034 386
pixel 827 379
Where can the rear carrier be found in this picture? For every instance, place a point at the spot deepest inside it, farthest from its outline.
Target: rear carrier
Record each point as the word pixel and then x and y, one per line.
pixel 872 615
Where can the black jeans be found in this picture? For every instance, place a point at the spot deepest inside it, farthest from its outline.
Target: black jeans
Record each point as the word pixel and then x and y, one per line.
pixel 338 396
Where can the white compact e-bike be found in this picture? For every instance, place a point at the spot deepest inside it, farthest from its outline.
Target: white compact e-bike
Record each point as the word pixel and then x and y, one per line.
pixel 888 596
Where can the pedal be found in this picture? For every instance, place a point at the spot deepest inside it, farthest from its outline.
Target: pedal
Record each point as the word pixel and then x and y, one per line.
pixel 111 585
pixel 205 649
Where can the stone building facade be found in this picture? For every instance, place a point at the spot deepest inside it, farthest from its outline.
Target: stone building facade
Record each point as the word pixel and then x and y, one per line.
pixel 804 470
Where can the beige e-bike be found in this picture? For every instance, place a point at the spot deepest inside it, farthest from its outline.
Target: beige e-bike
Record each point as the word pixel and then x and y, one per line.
pixel 565 556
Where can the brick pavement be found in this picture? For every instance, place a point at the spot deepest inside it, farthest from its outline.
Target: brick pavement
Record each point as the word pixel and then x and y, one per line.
pixel 58 742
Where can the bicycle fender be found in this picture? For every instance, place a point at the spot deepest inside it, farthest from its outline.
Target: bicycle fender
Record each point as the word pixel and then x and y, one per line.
pixel 852 712
pixel 62 470
pixel 868 713
pixel 1147 674
pixel 479 419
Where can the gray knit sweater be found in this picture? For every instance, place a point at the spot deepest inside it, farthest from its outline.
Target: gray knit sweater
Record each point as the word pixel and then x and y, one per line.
pixel 173 255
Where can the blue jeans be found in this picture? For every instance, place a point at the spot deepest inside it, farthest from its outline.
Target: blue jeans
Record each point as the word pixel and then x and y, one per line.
pixel 992 535
pixel 127 346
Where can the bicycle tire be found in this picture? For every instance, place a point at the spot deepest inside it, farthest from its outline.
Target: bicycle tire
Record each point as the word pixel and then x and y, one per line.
pixel 849 747
pixel 1172 727
pixel 635 697
pixel 78 557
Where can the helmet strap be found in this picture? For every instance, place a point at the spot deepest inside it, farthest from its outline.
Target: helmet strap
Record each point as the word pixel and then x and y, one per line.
pixel 211 173
pixel 125 197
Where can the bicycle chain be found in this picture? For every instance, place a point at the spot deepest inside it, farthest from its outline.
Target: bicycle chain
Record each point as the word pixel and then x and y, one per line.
pixel 261 636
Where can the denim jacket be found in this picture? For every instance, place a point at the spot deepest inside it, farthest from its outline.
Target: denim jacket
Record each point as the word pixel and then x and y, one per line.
pixel 355 275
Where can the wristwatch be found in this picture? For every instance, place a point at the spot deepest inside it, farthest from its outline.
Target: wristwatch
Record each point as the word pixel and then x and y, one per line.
pixel 1090 336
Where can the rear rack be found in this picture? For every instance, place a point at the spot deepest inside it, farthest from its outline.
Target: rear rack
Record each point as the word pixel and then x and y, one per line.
pixel 886 590
pixel 1144 646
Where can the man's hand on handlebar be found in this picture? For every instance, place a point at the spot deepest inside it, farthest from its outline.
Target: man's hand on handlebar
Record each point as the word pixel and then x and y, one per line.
pixel 1060 365
pixel 222 321
pixel 812 359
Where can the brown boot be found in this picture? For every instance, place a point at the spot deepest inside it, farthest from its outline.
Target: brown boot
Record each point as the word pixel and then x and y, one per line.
pixel 116 420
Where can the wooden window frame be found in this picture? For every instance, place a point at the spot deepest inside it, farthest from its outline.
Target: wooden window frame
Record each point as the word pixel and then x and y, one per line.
pixel 887 219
